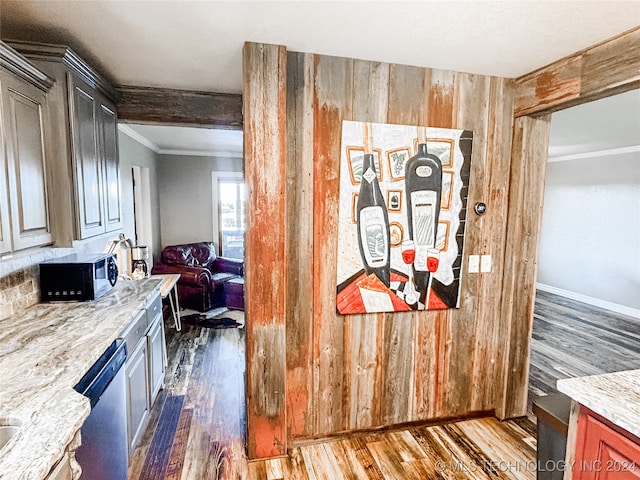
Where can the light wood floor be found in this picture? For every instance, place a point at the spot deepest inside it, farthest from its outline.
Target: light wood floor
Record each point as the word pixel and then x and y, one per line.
pixel 197 431
pixel 473 449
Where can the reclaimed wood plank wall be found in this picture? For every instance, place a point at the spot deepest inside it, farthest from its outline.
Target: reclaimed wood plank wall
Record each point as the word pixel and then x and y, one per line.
pixel 605 69
pixel 266 255
pixel 356 372
pixel 528 166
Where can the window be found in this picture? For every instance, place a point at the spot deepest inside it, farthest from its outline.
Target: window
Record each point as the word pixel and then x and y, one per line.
pixel 231 217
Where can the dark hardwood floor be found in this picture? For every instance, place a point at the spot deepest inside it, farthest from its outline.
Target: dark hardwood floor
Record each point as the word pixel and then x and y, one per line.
pixel 197 426
pixel 573 339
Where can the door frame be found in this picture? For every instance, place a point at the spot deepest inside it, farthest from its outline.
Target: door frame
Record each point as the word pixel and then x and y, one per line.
pixel 602 70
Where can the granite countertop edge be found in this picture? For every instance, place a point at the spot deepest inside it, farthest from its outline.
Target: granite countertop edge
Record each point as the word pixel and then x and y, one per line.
pixel 44 351
pixel 615 396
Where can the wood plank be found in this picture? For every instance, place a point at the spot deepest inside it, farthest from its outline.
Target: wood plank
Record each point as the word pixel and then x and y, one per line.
pixel 162 106
pixel 398 367
pixel 441 97
pixel 495 194
pixel 179 446
pixel 350 461
pixel 294 466
pixel 467 323
pixel 572 437
pixel 387 458
pixel 605 69
pixel 363 334
pixel 406 386
pixel 490 164
pixel 369 77
pixel 155 465
pixel 299 347
pixel 266 246
pixel 440 114
pixel 528 162
pixel 332 104
pixel 408 95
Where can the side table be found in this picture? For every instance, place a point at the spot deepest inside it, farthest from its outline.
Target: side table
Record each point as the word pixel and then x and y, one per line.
pixel 170 284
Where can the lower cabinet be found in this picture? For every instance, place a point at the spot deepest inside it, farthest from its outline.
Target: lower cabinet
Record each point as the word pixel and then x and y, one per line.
pixel 67 467
pixel 156 346
pixel 138 401
pixel 604 452
pixel 62 471
pixel 144 368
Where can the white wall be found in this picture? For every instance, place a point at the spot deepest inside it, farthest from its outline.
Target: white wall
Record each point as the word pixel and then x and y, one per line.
pixel 186 196
pixel 133 153
pixel 590 239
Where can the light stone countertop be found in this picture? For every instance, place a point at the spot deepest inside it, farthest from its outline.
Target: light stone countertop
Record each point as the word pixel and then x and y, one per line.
pixel 44 352
pixel 615 396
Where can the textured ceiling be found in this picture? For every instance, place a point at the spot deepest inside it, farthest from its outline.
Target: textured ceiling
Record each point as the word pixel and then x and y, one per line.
pixel 197 44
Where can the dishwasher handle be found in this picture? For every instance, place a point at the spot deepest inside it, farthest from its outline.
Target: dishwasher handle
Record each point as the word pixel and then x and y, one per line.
pixel 93 384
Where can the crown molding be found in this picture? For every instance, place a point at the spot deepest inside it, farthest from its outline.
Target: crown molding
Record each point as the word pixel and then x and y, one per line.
pixel 201 153
pixel 70 59
pixel 131 133
pixel 599 153
pixel 17 64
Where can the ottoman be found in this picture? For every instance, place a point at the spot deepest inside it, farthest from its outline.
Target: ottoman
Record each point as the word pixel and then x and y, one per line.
pixel 234 294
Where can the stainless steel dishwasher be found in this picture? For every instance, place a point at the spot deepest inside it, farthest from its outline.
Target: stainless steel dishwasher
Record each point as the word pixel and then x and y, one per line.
pixel 103 453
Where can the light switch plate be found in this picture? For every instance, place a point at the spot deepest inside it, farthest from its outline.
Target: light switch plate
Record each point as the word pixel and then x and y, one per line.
pixel 485 263
pixel 474 263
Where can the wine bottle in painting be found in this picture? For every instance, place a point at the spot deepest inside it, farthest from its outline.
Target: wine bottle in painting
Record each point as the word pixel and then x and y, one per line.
pixel 423 185
pixel 373 224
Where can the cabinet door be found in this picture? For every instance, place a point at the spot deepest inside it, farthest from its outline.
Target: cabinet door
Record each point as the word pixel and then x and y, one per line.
pixel 156 357
pixel 137 394
pixel 24 126
pixel 88 168
pixel 604 454
pixel 62 471
pixel 108 124
pixel 5 235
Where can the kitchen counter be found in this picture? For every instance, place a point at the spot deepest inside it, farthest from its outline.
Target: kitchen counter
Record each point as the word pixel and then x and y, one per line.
pixel 44 351
pixel 614 396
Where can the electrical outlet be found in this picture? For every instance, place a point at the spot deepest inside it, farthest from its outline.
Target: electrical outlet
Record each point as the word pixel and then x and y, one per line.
pixel 485 263
pixel 474 263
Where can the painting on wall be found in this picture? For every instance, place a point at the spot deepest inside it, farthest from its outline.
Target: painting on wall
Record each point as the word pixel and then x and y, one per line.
pixel 403 196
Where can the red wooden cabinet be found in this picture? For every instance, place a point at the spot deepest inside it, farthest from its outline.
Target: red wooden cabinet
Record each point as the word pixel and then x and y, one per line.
pixel 604 451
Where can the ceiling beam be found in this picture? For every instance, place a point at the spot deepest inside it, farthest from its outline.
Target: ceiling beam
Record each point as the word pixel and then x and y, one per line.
pixel 163 106
pixel 605 69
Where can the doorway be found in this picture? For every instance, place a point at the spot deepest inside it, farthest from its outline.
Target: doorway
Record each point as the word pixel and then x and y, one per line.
pixel 143 229
pixel 586 308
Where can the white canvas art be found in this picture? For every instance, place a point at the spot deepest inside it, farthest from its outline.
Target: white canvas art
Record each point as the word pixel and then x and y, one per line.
pixel 401 217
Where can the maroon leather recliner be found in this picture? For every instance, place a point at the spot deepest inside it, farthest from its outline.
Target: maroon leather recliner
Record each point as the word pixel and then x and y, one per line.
pixel 202 273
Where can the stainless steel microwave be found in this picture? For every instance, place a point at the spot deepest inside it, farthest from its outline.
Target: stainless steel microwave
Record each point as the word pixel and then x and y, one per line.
pixel 78 277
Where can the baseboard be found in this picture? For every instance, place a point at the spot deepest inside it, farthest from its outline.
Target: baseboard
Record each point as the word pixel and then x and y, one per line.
pixel 596 302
